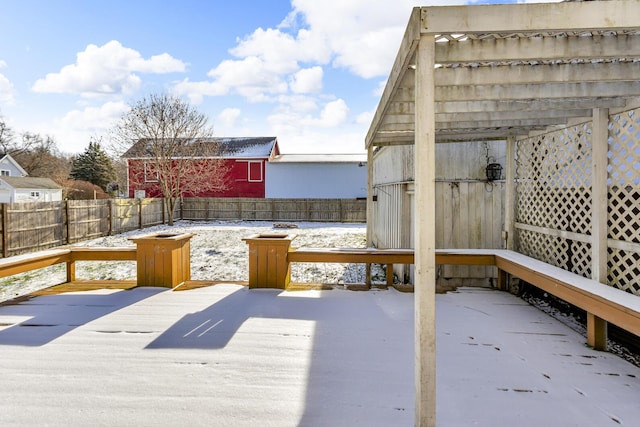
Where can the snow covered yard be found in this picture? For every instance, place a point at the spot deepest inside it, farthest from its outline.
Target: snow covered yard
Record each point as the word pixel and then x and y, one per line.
pixel 227 355
pixel 217 253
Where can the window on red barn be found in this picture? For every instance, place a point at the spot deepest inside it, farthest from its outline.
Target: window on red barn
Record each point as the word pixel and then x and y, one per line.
pixel 255 171
pixel 150 173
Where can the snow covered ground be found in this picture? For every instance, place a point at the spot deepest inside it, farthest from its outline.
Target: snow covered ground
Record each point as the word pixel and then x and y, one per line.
pixel 227 355
pixel 217 253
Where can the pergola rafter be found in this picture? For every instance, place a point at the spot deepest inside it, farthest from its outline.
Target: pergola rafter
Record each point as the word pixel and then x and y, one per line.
pixel 547 72
pixel 501 72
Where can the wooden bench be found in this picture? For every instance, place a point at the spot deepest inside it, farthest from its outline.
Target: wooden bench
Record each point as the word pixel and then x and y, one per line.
pixel 33 261
pixel 601 302
pixel 91 253
pixel 69 255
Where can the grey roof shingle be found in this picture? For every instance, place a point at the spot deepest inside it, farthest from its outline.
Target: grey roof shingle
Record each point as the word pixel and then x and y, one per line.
pixel 31 182
pixel 231 147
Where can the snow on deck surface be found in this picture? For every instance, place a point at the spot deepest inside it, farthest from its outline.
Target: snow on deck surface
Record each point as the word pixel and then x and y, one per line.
pixel 229 356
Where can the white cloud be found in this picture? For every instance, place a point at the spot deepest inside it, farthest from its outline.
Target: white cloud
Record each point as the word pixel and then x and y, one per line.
pixel 333 114
pixel 266 61
pixel 94 118
pixel 288 118
pixel 107 69
pixel 308 80
pixel 251 77
pixel 286 65
pixel 196 91
pixel 365 118
pixel 7 91
pixel 365 38
pixel 73 131
pixel 299 103
pixel 229 116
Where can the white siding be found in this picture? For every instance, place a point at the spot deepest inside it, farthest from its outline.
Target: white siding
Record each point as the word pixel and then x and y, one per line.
pixel 43 195
pixel 316 180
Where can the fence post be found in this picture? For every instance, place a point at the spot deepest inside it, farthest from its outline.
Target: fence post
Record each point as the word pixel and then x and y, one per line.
pixel 67 225
pixel 140 214
pixel 5 230
pixel 110 217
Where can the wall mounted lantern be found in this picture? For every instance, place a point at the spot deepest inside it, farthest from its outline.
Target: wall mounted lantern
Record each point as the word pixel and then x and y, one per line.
pixel 494 171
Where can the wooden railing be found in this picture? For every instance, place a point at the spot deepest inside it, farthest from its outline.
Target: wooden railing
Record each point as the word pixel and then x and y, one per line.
pixel 601 302
pixel 70 255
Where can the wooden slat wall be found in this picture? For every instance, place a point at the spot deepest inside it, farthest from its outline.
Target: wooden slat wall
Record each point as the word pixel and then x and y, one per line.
pixel 469 210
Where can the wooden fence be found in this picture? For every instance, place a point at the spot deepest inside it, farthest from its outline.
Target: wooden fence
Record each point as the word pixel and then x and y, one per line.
pixel 29 227
pixel 321 210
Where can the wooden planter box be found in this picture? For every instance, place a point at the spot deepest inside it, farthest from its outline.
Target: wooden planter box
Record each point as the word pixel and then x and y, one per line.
pixel 268 265
pixel 163 259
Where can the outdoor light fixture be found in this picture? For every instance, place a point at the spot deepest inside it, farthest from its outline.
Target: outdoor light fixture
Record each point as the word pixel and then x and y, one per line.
pixel 494 171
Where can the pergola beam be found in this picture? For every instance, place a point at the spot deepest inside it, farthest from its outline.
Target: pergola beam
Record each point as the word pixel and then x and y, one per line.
pixel 546 49
pixel 510 115
pixel 538 74
pixel 538 17
pixel 525 105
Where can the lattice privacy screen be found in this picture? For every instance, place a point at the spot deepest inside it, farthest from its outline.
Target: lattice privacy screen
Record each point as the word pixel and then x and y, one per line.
pixel 553 190
pixel 624 201
pixel 554 199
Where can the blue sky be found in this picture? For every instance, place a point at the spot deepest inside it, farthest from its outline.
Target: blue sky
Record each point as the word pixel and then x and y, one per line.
pixel 309 72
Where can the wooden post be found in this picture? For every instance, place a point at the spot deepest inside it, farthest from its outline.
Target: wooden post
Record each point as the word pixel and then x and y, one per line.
pixel 369 197
pixel 110 217
pixel 140 214
pixel 67 222
pixel 510 194
pixel 425 256
pixel 5 230
pixel 597 327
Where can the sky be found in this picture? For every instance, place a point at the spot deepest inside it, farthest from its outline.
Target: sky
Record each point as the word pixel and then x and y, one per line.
pixel 308 72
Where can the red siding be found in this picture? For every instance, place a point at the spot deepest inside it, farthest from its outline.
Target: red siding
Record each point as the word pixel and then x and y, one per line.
pixel 246 178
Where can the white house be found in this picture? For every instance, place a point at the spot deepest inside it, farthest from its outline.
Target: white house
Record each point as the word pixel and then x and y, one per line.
pixel 14 189
pixel 9 167
pixel 322 176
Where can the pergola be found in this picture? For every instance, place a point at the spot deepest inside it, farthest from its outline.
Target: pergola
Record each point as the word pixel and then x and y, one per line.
pixel 506 72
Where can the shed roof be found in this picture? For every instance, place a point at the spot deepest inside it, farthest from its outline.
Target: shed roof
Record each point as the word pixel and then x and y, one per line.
pixel 31 183
pixel 231 147
pixel 504 71
pixel 320 158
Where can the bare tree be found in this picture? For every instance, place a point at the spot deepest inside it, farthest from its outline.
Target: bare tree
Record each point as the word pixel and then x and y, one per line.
pixel 38 155
pixel 6 136
pixel 170 148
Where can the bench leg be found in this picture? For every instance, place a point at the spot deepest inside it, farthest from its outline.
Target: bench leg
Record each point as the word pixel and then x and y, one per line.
pixel 71 271
pixel 389 274
pixel 367 275
pixel 596 332
pixel 502 280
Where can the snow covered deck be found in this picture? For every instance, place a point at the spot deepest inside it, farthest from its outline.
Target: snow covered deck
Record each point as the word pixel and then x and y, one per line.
pixel 228 356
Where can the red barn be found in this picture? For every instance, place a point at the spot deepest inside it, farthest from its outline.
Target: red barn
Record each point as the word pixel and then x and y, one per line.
pixel 244 160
